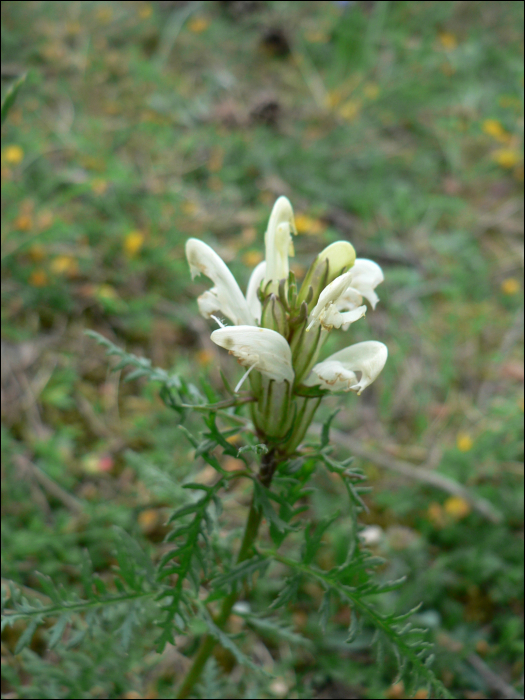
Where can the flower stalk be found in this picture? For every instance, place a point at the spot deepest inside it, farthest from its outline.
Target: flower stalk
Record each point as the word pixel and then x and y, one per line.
pixel 253 522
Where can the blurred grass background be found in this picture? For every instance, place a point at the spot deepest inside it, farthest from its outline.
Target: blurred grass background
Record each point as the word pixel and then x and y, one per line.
pixel 395 125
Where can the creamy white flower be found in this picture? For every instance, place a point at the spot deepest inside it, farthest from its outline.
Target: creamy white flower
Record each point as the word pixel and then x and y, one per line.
pixel 339 371
pixel 364 277
pixel 327 313
pixel 225 297
pixel 278 240
pixel 253 287
pixel 258 348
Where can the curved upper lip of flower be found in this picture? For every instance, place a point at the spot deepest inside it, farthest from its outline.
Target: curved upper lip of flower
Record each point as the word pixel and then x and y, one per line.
pixel 338 372
pixel 226 296
pixel 258 348
pixel 278 239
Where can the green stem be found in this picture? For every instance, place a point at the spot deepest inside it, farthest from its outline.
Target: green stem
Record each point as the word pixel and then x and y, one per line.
pixel 253 522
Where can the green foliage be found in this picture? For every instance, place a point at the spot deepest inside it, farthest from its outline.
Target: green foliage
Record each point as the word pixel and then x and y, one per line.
pixel 10 97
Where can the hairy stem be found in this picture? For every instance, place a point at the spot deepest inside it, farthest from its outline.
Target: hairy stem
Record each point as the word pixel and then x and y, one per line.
pixel 268 467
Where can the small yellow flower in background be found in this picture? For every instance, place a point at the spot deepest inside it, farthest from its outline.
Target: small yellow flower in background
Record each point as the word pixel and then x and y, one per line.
pixel 148 519
pixel 252 257
pixel 205 357
pixel 199 25
pixel 482 647
pixel 38 278
pixel 494 128
pixel 371 91
pixel 448 40
pixel 106 292
pixel 37 252
pixel 350 110
pixel 234 439
pixel 510 286
pixel 333 98
pixel 104 14
pixel 65 265
pixel 309 225
pixel 13 154
pixel 464 442
pixel 145 11
pixel 99 186
pixel 435 515
pixel 24 222
pixel 506 157
pixel 457 507
pixel 133 243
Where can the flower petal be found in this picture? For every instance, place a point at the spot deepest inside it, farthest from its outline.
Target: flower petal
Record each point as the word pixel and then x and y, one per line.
pixel 327 311
pixel 225 296
pixel 278 240
pixel 262 348
pixel 365 275
pixel 338 372
pixel 256 278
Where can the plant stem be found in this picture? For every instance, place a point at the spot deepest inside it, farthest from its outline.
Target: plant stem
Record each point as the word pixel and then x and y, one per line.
pixel 268 466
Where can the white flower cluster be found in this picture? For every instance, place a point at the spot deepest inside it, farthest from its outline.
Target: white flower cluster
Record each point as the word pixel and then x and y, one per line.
pixel 338 304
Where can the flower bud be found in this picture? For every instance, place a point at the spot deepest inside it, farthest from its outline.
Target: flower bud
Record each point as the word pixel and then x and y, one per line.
pixel 329 264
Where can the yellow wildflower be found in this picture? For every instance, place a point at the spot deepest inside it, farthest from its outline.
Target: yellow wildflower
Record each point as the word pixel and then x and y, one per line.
pixel 145 11
pixel 457 507
pixel 37 252
pixel 13 154
pixel 133 243
pixel 309 225
pixel 24 222
pixel 350 110
pixel 506 157
pixel 199 25
pixel 252 258
pixel 494 128
pixel 104 14
pixel 65 265
pixel 205 357
pixel 448 40
pixel 464 442
pixel 510 286
pixel 38 278
pixel 106 292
